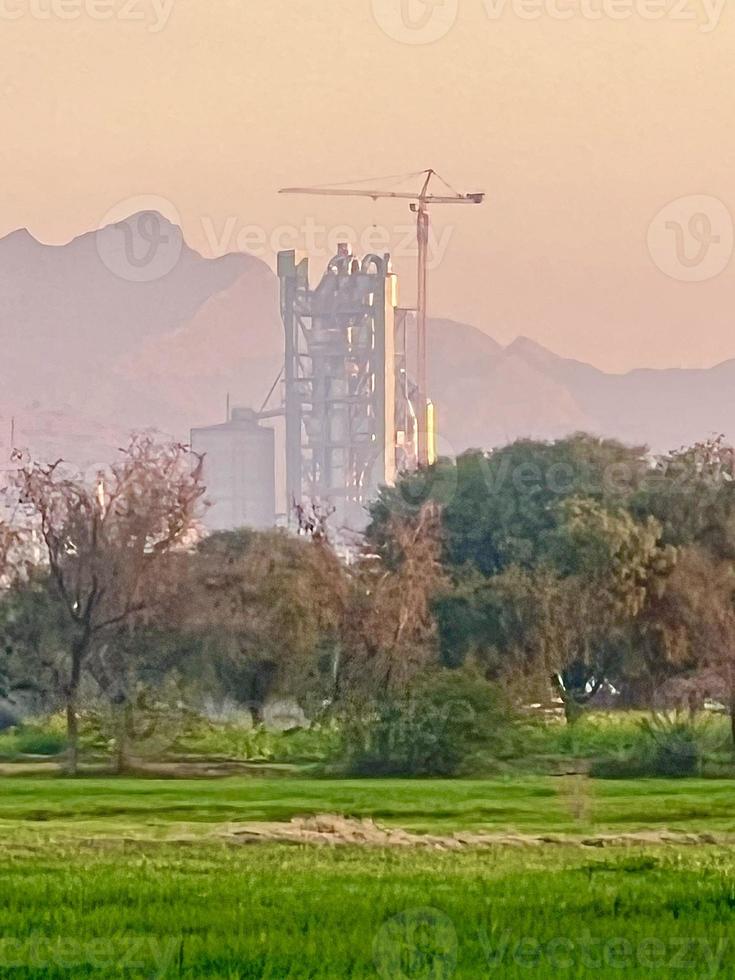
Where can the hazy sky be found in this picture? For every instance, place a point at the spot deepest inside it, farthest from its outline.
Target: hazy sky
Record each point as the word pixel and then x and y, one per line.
pixel 581 119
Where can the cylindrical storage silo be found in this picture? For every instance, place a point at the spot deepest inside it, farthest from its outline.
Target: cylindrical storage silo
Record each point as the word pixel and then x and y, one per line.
pixel 238 472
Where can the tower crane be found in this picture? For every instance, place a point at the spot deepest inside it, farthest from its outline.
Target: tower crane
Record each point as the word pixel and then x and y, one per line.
pixel 421 201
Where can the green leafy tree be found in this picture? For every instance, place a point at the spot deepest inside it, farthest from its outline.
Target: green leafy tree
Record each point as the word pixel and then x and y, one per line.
pixel 690 628
pixel 691 492
pixel 569 615
pixel 499 509
pixel 268 606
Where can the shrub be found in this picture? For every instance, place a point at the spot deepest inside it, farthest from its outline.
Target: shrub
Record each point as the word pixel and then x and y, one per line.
pixel 32 739
pixel 673 746
pixel 667 745
pixel 447 724
pixel 315 744
pixel 595 735
pixel 39 741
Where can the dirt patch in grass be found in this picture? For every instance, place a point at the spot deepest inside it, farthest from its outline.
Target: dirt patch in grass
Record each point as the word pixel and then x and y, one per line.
pixel 333 830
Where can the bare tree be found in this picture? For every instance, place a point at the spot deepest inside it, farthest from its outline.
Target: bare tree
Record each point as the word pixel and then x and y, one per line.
pixel 105 543
pixel 391 629
pixel 15 565
pixel 696 622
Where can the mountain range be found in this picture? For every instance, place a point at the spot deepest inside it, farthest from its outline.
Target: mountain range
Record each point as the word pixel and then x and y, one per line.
pixel 127 328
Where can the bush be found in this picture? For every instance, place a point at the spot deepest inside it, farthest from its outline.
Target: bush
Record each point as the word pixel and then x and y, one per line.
pixel 314 744
pixel 670 746
pixel 32 739
pixel 39 741
pixel 148 723
pixel 595 735
pixel 447 725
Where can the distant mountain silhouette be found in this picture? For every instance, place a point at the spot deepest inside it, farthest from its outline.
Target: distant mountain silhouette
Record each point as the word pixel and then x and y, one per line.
pixel 128 327
pixel 72 317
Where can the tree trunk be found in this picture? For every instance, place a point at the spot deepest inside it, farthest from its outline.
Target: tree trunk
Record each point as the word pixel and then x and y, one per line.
pixel 72 719
pixel 336 675
pixel 573 710
pixel 572 707
pixel 732 712
pixel 72 737
pixel 123 727
pixel 637 694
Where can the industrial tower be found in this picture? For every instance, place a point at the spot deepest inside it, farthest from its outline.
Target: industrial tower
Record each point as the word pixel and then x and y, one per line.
pixel 421 201
pixel 351 418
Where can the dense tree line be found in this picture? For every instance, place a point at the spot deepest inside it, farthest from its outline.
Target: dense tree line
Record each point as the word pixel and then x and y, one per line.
pixel 584 561
pixel 538 570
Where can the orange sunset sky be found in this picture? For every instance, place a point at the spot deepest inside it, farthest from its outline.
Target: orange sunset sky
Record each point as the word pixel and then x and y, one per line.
pixel 580 123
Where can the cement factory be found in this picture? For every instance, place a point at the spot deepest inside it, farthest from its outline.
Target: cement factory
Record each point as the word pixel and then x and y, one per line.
pixel 355 409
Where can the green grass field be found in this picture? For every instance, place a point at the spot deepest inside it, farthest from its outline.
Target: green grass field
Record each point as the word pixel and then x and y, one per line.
pixel 45 806
pixel 127 878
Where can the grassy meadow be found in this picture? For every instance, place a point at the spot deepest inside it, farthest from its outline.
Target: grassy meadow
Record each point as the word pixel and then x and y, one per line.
pixel 131 877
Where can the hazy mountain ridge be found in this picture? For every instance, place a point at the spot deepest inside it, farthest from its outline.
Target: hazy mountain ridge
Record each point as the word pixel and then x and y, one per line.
pixel 90 353
pixel 664 408
pixel 73 316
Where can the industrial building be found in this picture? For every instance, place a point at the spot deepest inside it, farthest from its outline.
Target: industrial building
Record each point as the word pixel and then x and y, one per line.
pixel 351 407
pixel 354 383
pixel 238 472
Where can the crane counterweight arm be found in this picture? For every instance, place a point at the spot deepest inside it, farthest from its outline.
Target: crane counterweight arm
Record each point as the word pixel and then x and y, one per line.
pixel 376 195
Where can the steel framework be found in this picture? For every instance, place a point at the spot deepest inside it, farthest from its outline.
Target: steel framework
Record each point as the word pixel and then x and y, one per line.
pixel 421 200
pixel 346 387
